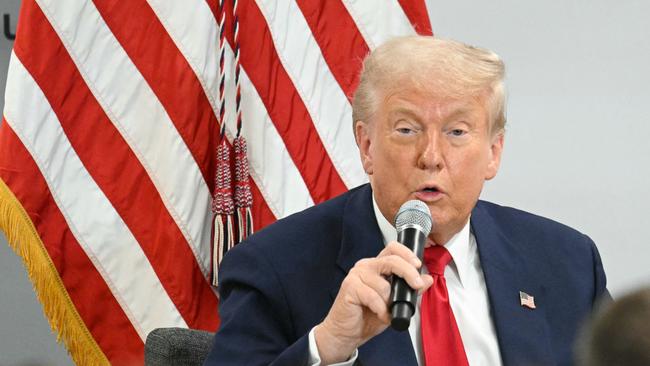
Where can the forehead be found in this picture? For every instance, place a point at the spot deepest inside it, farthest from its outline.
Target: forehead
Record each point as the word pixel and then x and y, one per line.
pixel 431 106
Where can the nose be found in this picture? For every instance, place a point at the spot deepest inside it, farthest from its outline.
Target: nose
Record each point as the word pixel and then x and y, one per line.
pixel 430 157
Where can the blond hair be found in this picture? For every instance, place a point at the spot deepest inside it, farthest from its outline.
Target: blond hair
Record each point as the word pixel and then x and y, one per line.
pixel 443 68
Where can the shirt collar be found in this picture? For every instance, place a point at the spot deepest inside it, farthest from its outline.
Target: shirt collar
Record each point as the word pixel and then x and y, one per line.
pixel 459 246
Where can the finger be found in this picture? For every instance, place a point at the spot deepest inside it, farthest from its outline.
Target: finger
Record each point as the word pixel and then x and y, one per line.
pixel 428 281
pixel 377 282
pixel 395 248
pixel 370 299
pixel 396 265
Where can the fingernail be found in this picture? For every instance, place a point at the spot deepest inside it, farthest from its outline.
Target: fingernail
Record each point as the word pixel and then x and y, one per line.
pixel 416 262
pixel 419 282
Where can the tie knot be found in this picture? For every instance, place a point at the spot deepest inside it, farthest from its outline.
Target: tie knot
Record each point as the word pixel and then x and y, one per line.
pixel 436 259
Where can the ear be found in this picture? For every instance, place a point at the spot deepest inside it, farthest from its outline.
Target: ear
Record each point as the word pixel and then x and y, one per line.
pixel 496 148
pixel 362 135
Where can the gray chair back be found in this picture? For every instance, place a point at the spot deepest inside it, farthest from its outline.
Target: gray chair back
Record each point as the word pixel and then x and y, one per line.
pixel 177 346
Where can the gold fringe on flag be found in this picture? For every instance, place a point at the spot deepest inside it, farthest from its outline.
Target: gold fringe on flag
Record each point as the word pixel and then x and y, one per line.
pixel 57 305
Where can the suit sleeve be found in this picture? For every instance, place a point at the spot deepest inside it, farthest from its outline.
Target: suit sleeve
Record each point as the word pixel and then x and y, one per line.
pixel 600 280
pixel 256 326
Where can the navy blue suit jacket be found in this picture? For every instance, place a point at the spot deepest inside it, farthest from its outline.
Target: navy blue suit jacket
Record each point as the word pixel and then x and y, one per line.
pixel 281 282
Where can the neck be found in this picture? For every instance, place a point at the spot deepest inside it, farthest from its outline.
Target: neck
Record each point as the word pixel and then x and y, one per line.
pixel 442 235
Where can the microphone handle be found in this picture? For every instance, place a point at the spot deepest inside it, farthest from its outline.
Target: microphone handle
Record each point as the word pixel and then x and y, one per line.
pixel 403 299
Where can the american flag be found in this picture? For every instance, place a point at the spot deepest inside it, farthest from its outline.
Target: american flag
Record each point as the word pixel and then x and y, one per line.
pixel 109 136
pixel 526 300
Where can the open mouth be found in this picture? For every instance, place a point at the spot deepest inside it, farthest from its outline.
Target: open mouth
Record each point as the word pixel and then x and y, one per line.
pixel 429 193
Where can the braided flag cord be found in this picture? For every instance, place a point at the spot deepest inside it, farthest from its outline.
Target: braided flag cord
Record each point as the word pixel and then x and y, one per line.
pixel 223 210
pixel 221 14
pixel 143 229
pixel 223 223
pixel 237 66
pixel 222 200
pixel 243 196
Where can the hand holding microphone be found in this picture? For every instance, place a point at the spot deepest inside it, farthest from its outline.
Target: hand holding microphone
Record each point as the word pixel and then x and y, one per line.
pixel 361 308
pixel 413 223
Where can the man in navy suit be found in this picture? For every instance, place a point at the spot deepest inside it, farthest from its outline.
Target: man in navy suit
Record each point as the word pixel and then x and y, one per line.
pixel 313 289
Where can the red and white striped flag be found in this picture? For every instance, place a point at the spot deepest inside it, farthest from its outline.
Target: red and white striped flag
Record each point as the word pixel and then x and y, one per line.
pixel 108 143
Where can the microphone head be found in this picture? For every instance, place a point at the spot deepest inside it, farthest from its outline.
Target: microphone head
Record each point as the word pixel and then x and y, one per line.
pixel 414 212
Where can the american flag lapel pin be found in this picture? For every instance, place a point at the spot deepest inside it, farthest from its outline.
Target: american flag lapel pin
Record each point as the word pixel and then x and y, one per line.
pixel 526 300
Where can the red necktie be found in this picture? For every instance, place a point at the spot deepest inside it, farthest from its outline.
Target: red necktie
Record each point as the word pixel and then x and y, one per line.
pixel 441 340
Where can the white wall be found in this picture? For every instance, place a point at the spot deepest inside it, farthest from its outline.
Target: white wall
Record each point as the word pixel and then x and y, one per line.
pixel 577 147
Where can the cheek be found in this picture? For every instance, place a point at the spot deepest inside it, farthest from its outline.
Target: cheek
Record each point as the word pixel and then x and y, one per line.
pixel 469 170
pixel 393 172
pixel 391 157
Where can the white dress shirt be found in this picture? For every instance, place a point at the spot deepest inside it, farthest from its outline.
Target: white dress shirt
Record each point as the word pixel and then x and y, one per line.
pixel 467 295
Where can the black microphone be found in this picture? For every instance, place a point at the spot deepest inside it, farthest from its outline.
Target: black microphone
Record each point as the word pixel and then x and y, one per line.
pixel 413 223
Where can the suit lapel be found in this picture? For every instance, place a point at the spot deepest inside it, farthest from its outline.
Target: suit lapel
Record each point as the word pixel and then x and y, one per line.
pixel 522 333
pixel 361 238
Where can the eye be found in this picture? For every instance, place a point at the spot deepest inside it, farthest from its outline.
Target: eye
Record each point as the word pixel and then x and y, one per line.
pixel 405 130
pixel 457 132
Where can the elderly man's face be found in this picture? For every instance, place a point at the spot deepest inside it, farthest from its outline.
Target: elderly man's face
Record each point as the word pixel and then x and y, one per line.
pixel 439 151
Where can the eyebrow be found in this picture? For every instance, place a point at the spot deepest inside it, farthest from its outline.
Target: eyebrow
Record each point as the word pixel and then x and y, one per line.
pixel 464 110
pixel 459 112
pixel 406 111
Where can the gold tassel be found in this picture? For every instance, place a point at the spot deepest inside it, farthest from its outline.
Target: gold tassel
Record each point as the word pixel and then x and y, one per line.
pixel 57 305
